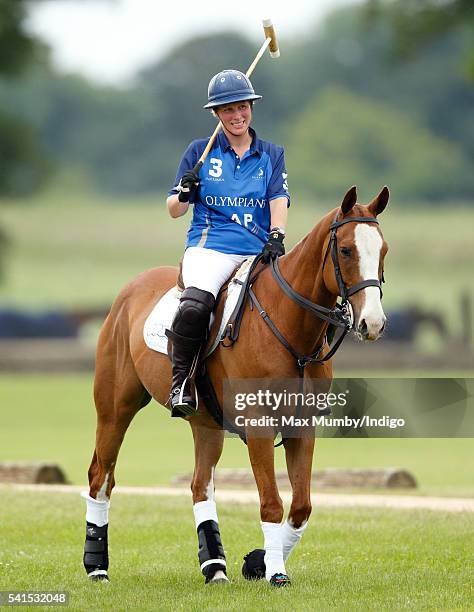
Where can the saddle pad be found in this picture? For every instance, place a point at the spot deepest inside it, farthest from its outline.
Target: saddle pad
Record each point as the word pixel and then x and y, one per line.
pixel 160 319
pixel 163 313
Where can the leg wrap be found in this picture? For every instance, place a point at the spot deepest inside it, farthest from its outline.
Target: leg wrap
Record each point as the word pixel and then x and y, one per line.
pixel 291 536
pixel 274 563
pixel 96 552
pixel 211 552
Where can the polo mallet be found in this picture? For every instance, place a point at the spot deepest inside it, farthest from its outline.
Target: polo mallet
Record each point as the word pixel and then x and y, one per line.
pixel 272 43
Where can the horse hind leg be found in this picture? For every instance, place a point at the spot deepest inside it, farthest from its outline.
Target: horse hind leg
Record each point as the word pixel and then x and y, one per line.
pixel 118 398
pixel 208 445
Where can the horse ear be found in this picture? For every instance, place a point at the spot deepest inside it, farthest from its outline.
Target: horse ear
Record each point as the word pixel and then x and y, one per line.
pixel 379 203
pixel 349 200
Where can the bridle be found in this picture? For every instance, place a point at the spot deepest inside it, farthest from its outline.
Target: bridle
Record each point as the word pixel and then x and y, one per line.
pixel 341 316
pixel 345 292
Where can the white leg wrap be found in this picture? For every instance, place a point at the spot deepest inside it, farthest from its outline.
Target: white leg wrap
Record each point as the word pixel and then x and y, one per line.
pixel 97 511
pixel 205 511
pixel 291 536
pixel 274 563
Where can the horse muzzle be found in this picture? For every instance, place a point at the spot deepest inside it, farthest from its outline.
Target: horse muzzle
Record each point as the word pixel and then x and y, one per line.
pixel 371 329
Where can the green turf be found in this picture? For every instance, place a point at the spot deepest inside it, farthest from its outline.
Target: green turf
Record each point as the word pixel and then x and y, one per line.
pixel 349 559
pixel 81 249
pixel 52 418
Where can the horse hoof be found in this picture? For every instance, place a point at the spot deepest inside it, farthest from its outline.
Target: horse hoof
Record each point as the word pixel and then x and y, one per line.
pixel 219 578
pixel 280 580
pixel 98 577
pixel 254 565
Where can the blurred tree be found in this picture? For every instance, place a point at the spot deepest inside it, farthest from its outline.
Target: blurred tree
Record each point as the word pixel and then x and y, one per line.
pixel 17 46
pixel 342 139
pixel 418 23
pixel 130 140
pixel 4 243
pixel 22 160
pixel 428 88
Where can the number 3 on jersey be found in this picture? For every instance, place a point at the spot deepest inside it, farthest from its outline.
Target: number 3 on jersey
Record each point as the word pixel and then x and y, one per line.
pixel 216 169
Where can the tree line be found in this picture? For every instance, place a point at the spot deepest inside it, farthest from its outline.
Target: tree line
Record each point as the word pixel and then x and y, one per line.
pixel 348 106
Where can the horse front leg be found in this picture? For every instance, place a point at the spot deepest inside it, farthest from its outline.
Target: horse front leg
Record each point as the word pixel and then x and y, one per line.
pixel 208 444
pixel 299 461
pixel 261 453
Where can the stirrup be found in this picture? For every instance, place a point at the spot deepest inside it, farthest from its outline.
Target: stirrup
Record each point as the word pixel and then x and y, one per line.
pixel 180 408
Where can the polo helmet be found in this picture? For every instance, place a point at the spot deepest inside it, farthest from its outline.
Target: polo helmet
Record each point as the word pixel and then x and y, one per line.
pixel 229 86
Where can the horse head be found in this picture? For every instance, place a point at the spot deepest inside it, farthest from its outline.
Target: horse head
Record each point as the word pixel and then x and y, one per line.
pixel 357 248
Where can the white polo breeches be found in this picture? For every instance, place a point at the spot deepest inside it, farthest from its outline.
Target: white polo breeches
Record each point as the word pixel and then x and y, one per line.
pixel 207 269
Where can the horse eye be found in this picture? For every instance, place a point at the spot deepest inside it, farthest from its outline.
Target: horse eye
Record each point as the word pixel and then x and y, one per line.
pixel 345 251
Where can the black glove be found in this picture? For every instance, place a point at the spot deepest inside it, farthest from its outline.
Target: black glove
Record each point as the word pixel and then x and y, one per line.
pixel 274 247
pixel 187 186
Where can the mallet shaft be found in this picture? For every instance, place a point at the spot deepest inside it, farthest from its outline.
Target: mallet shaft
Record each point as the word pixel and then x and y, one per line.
pixel 202 159
pixel 258 56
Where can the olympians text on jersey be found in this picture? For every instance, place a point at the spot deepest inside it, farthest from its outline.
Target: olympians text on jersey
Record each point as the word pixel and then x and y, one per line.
pixel 232 205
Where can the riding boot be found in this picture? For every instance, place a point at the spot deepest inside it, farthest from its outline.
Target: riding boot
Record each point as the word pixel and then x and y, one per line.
pixel 188 332
pixel 183 353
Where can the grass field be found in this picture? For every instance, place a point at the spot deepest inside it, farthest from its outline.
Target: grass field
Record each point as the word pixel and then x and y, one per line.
pixel 348 560
pixel 52 418
pixel 80 249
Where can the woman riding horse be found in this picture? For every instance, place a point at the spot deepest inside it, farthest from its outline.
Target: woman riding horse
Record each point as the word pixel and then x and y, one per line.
pixel 342 255
pixel 240 199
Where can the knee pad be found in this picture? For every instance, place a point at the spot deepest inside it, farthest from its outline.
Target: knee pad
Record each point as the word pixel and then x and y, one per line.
pixel 194 310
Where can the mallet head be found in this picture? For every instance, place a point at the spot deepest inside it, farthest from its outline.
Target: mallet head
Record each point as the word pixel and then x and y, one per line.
pixel 270 33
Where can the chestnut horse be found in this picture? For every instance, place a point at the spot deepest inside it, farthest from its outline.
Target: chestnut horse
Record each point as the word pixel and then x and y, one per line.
pixel 129 374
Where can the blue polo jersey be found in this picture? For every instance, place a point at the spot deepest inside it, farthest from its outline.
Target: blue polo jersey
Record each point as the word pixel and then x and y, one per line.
pixel 232 204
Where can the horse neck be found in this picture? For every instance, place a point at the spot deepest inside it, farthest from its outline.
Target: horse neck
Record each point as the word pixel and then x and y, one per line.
pixel 302 268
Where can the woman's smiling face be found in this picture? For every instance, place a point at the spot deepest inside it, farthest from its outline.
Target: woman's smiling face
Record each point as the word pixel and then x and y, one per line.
pixel 235 117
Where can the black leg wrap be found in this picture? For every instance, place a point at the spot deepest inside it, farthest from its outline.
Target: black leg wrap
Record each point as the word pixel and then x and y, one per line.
pixel 96 551
pixel 210 549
